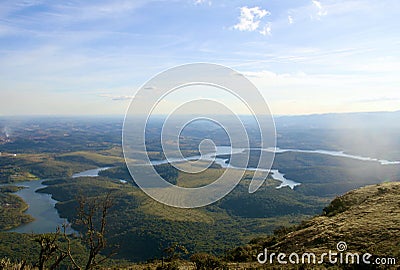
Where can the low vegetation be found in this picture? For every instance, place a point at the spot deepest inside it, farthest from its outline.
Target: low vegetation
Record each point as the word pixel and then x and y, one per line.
pixel 12 209
pixel 366 219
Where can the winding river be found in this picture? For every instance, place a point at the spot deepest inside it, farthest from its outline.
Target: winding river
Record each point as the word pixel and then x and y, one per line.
pixel 42 206
pixel 227 150
pixel 332 153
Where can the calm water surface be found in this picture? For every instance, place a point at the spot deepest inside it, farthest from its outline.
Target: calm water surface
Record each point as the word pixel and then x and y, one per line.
pixel 42 206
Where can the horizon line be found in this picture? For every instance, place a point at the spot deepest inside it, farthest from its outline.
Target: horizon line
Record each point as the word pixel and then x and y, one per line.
pixel 163 115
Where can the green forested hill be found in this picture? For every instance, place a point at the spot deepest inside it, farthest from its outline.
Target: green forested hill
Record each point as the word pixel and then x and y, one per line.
pixel 143 227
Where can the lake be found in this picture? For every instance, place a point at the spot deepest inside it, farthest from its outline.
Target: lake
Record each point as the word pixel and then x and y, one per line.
pixel 227 150
pixel 42 206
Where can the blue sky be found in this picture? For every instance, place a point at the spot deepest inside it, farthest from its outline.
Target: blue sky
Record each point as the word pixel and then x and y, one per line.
pixel 89 57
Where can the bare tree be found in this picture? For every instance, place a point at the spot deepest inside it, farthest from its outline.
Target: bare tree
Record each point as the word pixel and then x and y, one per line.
pixel 50 250
pixel 92 215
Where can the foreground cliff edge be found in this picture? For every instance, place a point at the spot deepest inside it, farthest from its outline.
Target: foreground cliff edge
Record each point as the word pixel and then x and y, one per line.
pixel 362 221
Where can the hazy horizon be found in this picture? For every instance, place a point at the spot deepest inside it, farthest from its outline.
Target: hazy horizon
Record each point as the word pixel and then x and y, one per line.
pixel 163 115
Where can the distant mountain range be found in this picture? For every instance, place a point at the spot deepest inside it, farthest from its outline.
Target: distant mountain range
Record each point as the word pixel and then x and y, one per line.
pixel 341 120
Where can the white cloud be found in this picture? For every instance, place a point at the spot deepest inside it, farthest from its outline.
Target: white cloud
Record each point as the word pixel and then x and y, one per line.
pixel 317 4
pixel 250 18
pixel 320 9
pixel 290 19
pixel 379 99
pixel 200 2
pixel 116 97
pixel 266 30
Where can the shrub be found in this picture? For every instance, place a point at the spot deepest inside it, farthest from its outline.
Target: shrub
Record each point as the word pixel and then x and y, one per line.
pixel 204 261
pixel 168 266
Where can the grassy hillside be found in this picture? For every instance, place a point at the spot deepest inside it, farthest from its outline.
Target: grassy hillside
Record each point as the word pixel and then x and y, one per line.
pixel 366 219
